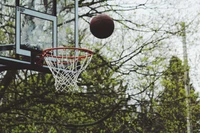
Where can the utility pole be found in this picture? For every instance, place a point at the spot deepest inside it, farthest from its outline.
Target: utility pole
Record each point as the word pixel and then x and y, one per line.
pixel 186 78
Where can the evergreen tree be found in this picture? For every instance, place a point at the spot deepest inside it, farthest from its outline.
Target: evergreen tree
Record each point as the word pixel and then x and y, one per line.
pixel 172 105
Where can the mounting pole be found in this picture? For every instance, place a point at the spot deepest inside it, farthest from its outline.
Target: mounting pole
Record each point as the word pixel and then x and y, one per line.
pixel 76 24
pixel 186 78
pixel 76 39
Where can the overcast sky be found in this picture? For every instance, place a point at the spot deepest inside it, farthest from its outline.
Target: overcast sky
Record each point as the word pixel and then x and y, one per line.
pixel 180 11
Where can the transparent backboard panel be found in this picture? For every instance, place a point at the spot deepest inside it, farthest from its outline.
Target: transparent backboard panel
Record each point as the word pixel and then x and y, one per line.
pixel 65 17
pixel 35 30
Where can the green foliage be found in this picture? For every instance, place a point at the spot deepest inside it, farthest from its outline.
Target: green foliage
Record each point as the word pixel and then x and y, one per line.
pixel 172 105
pixel 29 102
pixel 33 105
pixel 166 112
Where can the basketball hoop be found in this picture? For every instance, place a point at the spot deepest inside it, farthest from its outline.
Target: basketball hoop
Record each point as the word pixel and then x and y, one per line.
pixel 66 64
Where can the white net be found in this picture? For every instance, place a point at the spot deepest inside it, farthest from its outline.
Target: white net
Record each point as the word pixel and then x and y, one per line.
pixel 66 64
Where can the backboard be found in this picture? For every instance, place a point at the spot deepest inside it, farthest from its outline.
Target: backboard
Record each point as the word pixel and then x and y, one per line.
pixel 29 26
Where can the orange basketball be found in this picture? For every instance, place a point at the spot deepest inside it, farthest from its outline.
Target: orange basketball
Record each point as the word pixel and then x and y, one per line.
pixel 102 26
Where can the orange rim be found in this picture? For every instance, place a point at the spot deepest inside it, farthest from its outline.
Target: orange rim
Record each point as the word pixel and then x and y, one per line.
pixel 45 52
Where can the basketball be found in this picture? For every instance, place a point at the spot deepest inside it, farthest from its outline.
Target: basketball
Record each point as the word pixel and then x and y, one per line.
pixel 102 26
